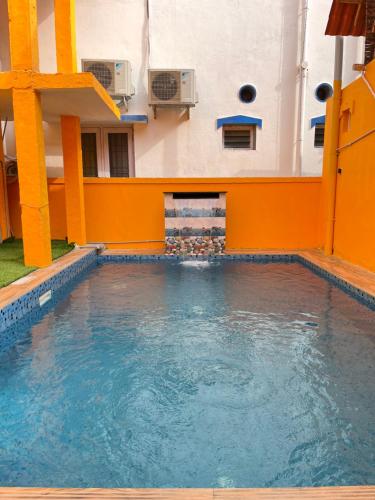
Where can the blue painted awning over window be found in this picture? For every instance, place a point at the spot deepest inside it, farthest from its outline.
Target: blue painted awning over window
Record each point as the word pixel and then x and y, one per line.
pixel 134 118
pixel 238 120
pixel 318 120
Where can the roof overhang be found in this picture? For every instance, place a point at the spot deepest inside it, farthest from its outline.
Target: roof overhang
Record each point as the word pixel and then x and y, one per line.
pixel 239 120
pixel 318 120
pixel 347 17
pixel 134 119
pixel 78 94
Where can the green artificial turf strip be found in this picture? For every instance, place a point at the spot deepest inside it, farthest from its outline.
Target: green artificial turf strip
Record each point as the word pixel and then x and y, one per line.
pixel 11 259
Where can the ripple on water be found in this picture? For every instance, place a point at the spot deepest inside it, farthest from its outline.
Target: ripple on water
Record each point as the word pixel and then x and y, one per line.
pixel 192 374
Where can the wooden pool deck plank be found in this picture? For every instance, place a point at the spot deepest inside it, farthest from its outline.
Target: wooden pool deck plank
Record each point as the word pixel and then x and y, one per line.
pixel 107 493
pixel 328 493
pixel 355 275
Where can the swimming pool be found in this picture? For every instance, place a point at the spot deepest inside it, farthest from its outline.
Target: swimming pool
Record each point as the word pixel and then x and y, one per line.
pixel 226 374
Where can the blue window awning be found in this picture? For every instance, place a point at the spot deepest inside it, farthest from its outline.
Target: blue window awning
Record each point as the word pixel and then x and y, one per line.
pixel 238 120
pixel 134 119
pixel 318 120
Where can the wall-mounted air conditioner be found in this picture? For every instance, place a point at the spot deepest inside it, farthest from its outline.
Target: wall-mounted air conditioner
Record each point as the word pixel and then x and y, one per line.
pixel 174 87
pixel 115 76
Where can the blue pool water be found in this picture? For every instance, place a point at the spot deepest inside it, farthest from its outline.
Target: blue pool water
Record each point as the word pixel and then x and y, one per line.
pixel 178 375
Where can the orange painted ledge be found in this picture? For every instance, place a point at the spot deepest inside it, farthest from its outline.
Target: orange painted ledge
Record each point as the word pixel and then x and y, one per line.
pixel 76 94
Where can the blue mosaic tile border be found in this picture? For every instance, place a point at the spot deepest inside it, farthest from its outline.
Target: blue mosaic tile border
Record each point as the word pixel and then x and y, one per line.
pixel 195 231
pixel 194 212
pixel 27 308
pixel 264 258
pixel 355 292
pixel 25 304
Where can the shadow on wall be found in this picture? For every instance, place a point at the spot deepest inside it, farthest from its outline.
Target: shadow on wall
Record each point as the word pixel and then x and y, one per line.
pixel 46 33
pixel 45 9
pixel 145 41
pixel 164 136
pixel 288 86
pixel 4 37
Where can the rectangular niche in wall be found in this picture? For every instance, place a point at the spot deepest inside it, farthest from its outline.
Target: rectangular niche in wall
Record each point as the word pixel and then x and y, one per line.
pixel 194 223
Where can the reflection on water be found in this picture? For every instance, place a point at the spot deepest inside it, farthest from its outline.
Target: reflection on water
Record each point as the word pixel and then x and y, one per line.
pixel 162 375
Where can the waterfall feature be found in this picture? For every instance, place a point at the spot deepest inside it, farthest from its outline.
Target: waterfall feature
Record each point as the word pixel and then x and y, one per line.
pixel 194 223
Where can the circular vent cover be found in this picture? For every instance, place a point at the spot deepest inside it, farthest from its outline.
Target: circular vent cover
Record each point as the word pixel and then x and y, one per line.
pixel 165 86
pixel 247 93
pixel 323 92
pixel 102 73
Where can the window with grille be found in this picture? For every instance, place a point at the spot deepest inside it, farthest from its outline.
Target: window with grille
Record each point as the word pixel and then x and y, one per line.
pixel 89 154
pixel 319 135
pixel 118 153
pixel 239 137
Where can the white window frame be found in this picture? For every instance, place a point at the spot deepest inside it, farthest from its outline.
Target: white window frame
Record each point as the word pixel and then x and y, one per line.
pixel 102 151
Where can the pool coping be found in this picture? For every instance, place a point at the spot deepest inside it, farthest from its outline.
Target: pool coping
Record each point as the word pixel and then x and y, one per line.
pixel 36 289
pixel 308 493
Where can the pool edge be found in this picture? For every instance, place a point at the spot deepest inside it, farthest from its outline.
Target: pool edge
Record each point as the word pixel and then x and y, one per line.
pixel 35 290
pixel 23 296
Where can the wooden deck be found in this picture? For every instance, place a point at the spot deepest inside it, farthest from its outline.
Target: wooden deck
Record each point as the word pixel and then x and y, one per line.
pixel 329 493
pixel 355 275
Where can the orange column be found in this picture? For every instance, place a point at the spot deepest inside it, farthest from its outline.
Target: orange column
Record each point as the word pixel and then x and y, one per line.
pixel 74 198
pixel 23 30
pixel 65 36
pixel 4 214
pixel 70 125
pixel 32 178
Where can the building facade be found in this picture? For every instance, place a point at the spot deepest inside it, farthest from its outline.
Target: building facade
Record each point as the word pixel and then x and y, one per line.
pixel 229 44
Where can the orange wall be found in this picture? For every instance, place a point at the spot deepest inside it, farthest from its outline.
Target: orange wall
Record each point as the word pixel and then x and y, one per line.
pixel 261 213
pixel 354 234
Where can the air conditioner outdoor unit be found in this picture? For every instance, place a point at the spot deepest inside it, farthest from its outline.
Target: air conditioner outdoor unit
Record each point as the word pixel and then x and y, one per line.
pixel 174 87
pixel 115 76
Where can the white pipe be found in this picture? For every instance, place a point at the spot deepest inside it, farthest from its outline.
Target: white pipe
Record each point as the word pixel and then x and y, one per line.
pixel 303 69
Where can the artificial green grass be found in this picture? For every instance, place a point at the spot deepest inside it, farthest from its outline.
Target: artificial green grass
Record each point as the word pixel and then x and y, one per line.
pixel 11 259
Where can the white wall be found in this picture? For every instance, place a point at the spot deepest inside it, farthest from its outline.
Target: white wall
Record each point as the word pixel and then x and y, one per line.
pixel 228 43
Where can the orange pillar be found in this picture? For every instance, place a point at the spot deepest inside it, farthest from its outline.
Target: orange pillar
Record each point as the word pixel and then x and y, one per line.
pixel 23 33
pixel 32 178
pixel 65 31
pixel 4 214
pixel 32 175
pixel 70 125
pixel 74 198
